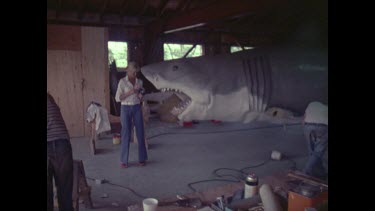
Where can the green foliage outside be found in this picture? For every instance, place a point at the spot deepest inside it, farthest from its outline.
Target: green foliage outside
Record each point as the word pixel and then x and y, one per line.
pixel 176 51
pixel 118 51
pixel 238 48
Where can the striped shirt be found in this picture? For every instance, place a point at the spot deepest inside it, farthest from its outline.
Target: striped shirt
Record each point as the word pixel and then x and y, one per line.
pixel 56 128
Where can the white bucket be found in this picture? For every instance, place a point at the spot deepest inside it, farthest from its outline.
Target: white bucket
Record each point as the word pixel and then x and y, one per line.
pixel 276 155
pixel 150 204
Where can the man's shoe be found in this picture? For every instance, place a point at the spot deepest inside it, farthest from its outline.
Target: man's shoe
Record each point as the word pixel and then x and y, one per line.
pixel 123 165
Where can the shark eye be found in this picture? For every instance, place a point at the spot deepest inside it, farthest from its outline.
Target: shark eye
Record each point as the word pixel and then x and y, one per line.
pixel 175 68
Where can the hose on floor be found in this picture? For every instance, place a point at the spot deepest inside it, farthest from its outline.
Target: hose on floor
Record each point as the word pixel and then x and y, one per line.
pixel 237 178
pixel 240 178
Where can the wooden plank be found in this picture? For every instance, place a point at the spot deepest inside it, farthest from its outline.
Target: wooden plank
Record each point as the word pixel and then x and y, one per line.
pixel 95 70
pixel 215 12
pixel 307 178
pixel 107 95
pixel 64 83
pixel 63 37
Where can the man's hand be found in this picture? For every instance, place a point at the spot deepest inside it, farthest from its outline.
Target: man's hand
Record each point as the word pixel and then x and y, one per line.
pixel 140 96
pixel 125 95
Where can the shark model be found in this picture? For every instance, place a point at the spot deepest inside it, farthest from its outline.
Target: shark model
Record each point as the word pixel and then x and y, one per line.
pixel 239 87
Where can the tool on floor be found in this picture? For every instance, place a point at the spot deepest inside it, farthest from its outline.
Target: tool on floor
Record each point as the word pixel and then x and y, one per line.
pixel 187 202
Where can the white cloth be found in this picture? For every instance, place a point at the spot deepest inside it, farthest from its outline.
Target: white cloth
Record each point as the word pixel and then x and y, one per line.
pixel 125 86
pixel 100 115
pixel 316 112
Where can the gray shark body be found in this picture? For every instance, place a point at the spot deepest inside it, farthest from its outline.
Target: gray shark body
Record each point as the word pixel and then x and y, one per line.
pixel 240 86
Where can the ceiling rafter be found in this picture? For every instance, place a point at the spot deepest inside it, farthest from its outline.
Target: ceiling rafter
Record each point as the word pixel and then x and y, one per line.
pixel 103 9
pixel 58 9
pixel 162 8
pixel 219 11
pixel 144 8
pixel 185 6
pixel 82 10
pixel 123 7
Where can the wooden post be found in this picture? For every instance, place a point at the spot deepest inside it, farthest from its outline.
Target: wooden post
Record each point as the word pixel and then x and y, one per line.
pixel 93 138
pixel 81 190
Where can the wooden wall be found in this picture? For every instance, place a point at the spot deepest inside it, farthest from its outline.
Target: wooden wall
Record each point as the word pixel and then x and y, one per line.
pixel 77 72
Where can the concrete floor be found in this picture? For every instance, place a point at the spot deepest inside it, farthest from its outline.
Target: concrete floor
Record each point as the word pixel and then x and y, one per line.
pixel 178 156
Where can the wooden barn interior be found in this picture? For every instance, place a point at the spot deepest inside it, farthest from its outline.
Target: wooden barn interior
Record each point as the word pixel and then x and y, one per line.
pixel 79 73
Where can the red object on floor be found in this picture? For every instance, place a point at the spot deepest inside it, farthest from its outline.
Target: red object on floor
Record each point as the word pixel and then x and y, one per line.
pixel 123 165
pixel 216 121
pixel 188 124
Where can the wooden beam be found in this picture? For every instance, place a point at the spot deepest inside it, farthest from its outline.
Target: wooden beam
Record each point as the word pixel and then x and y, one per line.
pixel 185 6
pixel 93 19
pixel 152 33
pixel 189 50
pixel 104 7
pixel 123 7
pixel 216 12
pixel 163 6
pixel 58 9
pixel 82 10
pixel 307 178
pixel 144 8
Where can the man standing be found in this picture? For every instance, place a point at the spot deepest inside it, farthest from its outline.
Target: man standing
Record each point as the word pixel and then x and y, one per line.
pixel 316 132
pixel 59 158
pixel 130 95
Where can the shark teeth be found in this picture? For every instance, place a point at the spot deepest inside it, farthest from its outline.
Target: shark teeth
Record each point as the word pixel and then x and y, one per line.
pixel 170 89
pixel 185 100
pixel 180 107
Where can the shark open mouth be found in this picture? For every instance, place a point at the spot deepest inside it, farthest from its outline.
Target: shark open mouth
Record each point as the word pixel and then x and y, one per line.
pixel 185 100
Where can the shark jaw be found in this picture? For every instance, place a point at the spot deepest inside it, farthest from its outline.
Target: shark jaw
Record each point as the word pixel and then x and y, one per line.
pixel 183 105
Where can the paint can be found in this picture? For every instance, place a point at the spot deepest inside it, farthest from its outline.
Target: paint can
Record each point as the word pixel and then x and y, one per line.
pixel 116 139
pixel 251 186
pixel 276 155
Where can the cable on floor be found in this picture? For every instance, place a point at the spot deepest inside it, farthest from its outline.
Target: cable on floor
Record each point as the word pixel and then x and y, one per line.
pixel 255 166
pixel 238 179
pixel 127 188
pixel 209 180
pixel 226 180
pixel 215 172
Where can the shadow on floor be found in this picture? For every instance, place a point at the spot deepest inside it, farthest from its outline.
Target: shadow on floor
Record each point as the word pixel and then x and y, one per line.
pixel 104 151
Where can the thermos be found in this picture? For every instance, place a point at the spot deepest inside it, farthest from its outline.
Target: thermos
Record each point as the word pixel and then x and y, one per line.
pixel 251 186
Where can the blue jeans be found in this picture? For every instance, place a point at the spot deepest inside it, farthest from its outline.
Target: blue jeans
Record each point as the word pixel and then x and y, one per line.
pixel 317 143
pixel 60 167
pixel 132 115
